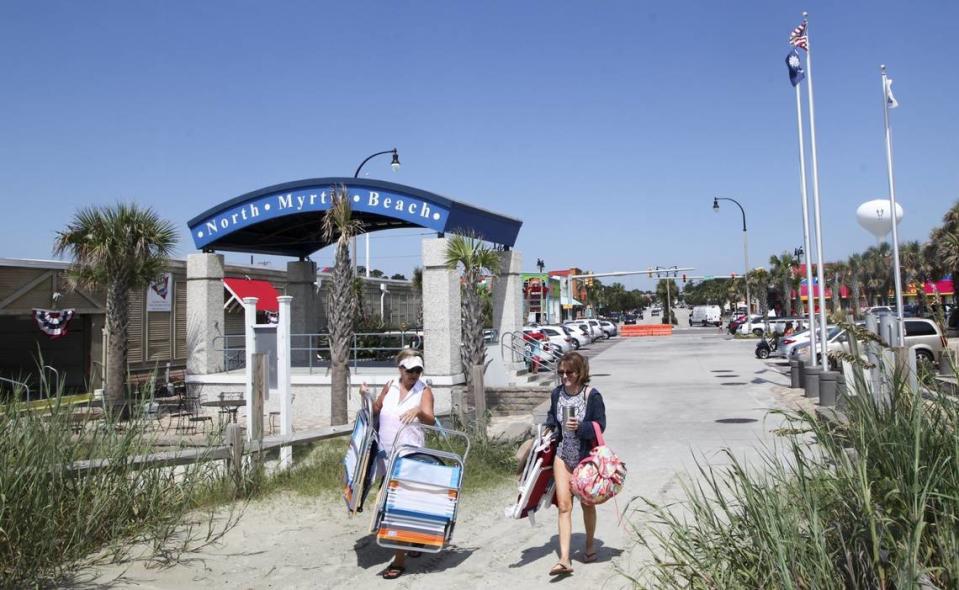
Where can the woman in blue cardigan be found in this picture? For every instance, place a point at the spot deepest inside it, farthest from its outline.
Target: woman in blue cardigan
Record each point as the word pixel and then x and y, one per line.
pixel 576 438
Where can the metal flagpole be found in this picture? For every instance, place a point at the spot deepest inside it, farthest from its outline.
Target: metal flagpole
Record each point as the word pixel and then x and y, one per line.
pixel 892 202
pixel 815 196
pixel 811 308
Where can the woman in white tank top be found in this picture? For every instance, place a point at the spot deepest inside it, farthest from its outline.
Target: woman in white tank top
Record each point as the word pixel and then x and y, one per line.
pixel 406 400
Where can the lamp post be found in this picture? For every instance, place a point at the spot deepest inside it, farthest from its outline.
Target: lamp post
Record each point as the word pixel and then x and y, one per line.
pixel 716 201
pixel 541 265
pixel 395 165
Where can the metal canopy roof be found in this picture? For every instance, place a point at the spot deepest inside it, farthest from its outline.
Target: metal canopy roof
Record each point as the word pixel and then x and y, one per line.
pixel 287 219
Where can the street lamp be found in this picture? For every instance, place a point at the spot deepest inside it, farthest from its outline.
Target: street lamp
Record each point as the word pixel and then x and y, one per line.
pixel 395 165
pixel 716 201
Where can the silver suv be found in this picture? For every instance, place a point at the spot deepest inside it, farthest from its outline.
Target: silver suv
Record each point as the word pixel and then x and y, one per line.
pixel 921 333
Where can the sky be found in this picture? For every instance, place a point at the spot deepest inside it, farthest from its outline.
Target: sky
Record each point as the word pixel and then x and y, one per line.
pixel 606 127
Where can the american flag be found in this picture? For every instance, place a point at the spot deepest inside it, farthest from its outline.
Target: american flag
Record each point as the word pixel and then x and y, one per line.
pixel 798 37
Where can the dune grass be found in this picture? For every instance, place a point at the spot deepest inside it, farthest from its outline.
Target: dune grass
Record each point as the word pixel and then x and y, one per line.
pixel 54 519
pixel 868 502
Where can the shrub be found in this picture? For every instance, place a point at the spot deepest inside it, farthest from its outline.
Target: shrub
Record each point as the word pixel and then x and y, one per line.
pixel 871 502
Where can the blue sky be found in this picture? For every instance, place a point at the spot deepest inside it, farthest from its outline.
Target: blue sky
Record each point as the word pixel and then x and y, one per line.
pixel 607 127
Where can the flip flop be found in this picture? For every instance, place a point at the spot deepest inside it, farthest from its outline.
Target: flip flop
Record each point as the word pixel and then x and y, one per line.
pixel 589 557
pixel 560 570
pixel 393 572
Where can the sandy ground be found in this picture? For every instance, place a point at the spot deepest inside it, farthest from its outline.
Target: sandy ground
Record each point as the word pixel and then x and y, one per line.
pixel 663 396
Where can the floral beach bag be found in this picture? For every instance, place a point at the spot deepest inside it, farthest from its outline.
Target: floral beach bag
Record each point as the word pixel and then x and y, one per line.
pixel 599 476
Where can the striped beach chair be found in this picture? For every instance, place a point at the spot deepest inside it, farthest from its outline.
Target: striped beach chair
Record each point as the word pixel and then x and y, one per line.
pixel 418 504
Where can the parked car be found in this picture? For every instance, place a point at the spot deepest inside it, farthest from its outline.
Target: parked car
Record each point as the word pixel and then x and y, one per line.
pixel 594 333
pixel 706 315
pixel 754 325
pixel 922 335
pixel 578 336
pixel 609 328
pixel 798 344
pixel 594 324
pixel 558 338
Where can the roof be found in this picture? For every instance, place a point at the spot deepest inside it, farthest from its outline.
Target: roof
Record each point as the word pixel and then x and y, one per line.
pixel 287 219
pixel 262 290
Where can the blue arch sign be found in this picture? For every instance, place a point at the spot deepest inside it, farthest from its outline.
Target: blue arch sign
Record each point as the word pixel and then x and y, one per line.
pixel 286 219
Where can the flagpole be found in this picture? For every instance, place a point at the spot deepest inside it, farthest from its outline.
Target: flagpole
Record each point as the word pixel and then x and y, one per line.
pixel 815 193
pixel 811 311
pixel 892 201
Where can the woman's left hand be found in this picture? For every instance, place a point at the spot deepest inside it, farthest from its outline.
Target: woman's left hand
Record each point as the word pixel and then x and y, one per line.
pixel 409 416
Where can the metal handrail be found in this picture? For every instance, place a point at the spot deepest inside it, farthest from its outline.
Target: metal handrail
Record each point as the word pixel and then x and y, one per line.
pixel 316 349
pixel 509 340
pixel 20 383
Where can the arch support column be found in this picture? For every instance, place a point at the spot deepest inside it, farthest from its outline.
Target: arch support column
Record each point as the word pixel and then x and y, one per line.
pixel 442 324
pixel 508 294
pixel 204 313
pixel 304 312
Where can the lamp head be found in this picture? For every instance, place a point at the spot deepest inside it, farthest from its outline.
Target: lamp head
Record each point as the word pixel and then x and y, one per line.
pixel 716 204
pixel 395 164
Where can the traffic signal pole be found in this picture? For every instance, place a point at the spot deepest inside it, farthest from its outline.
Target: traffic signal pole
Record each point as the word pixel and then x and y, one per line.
pixel 659 271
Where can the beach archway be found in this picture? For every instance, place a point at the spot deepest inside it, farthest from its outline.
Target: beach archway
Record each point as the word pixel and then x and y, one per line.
pixel 287 219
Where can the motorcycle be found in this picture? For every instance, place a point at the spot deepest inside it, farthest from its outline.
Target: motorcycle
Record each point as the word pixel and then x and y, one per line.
pixel 765 347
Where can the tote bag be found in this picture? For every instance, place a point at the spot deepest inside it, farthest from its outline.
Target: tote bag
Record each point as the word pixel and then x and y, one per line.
pixel 600 475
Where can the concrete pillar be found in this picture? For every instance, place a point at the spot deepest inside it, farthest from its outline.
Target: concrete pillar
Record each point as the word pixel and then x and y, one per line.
pixel 508 294
pixel 304 312
pixel 442 323
pixel 204 313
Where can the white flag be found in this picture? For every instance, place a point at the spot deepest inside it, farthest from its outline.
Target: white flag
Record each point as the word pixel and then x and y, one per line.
pixel 890 99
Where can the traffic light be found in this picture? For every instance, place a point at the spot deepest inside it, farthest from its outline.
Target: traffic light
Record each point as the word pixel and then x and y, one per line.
pixel 684 278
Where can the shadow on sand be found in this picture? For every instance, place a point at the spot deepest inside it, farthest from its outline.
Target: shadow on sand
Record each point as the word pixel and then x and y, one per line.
pixel 577 542
pixel 370 555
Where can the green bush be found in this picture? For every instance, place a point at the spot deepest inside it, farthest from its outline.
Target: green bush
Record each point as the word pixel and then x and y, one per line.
pixel 870 502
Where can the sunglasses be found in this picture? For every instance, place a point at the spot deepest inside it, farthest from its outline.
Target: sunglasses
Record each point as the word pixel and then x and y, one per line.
pixel 566 372
pixel 414 370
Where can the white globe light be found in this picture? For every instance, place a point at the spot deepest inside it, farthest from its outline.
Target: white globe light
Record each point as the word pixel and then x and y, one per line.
pixel 876 216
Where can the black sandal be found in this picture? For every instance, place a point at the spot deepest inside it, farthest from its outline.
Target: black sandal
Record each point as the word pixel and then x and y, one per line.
pixel 393 571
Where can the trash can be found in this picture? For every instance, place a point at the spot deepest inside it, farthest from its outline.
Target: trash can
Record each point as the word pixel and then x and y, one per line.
pixel 795 373
pixel 812 381
pixel 827 388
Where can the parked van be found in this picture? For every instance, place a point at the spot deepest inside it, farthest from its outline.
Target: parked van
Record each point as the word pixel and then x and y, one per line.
pixel 705 315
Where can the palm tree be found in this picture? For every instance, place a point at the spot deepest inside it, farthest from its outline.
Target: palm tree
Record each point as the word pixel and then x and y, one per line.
pixel 759 284
pixel 856 265
pixel 475 258
pixel 417 282
pixel 338 224
pixel 118 248
pixel 838 272
pixel 669 317
pixel 781 273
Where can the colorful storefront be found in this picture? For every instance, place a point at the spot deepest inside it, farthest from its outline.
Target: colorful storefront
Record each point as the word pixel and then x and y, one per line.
pixel 541 298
